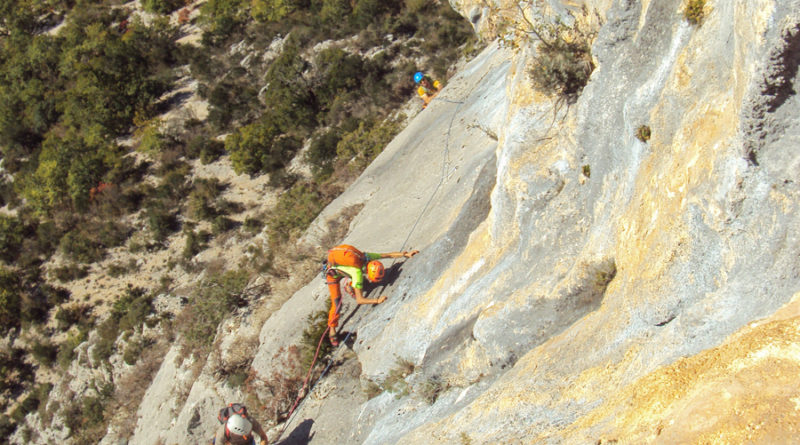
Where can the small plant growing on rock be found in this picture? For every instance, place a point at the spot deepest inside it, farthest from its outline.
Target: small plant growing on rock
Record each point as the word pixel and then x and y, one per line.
pixel 430 389
pixel 604 274
pixel 694 11
pixel 317 326
pixel 563 67
pixel 586 170
pixel 372 389
pixel 395 382
pixel 643 133
pixel 283 385
pixel 564 56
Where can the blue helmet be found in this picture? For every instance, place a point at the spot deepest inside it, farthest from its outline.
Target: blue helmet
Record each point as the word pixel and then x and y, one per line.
pixel 418 77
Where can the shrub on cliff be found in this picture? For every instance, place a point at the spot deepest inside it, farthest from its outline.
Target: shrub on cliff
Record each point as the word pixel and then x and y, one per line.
pixel 563 67
pixel 294 212
pixel 212 301
pixel 563 62
pixel 260 147
pixel 694 11
pixel 161 6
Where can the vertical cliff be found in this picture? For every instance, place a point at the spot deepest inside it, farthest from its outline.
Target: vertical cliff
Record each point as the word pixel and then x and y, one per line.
pixel 617 265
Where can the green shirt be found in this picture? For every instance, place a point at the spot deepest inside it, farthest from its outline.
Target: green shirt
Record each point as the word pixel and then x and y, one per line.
pixel 356 274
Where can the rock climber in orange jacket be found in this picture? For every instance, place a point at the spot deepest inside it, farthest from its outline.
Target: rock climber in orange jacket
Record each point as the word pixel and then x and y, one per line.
pixel 347 263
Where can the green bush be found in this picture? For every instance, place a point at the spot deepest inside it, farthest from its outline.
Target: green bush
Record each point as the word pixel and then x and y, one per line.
pixel 321 154
pixel 128 313
pixel 195 243
pixel 70 272
pixel 222 224
pixel 132 308
pixel 563 67
pixel 294 212
pixel 339 72
pixel 10 300
pixel 7 427
pixel 415 6
pixel 162 6
pixel 28 404
pixel 366 12
pixel 88 243
pixel 395 381
pixel 107 332
pixel 271 10
pixel 317 324
pixel 213 300
pixel 643 133
pixel 202 197
pixel 335 13
pixel 31 402
pixel 221 19
pixel 77 245
pixel 117 269
pixel 11 237
pixel 86 417
pixel 365 143
pixel 66 350
pixel 291 100
pixel 253 225
pixel 563 61
pixel 161 221
pixel 133 350
pixel 68 316
pixel 205 148
pixel 231 99
pixel 260 148
pixel 694 11
pixel 151 140
pixel 45 353
pixel 25 298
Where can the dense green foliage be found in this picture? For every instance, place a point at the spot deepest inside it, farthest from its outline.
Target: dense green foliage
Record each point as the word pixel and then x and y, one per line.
pixel 129 312
pixel 295 210
pixel 213 300
pixel 77 77
pixel 694 11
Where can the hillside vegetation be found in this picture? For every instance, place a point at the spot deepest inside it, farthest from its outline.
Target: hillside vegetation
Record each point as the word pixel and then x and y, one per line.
pixel 89 164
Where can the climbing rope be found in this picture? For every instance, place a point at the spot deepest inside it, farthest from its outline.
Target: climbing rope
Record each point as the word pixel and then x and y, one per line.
pixel 301 395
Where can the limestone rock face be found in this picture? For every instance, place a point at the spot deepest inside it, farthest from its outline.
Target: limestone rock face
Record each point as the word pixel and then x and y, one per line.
pixel 577 284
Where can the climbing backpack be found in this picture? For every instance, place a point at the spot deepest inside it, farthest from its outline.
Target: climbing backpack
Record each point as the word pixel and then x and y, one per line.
pixel 231 409
pixel 346 255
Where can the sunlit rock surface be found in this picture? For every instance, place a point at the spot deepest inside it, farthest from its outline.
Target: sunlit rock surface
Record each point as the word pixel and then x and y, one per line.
pixel 576 284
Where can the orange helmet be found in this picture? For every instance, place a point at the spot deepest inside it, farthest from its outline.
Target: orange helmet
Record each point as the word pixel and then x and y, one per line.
pixel 375 271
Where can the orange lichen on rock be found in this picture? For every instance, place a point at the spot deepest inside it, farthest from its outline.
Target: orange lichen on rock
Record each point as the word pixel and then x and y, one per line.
pixel 745 390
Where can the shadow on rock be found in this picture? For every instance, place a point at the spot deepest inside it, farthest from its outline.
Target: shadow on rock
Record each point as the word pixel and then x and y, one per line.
pixel 390 275
pixel 300 435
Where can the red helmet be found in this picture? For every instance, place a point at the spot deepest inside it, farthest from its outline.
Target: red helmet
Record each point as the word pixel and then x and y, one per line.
pixel 375 271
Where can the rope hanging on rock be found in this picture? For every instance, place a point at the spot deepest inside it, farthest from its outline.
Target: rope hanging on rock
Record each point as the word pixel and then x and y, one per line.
pixel 301 395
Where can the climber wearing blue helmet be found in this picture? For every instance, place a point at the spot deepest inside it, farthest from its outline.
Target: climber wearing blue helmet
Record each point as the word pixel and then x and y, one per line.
pixel 428 88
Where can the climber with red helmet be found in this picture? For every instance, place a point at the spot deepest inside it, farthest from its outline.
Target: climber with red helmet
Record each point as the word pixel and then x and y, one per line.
pixel 347 264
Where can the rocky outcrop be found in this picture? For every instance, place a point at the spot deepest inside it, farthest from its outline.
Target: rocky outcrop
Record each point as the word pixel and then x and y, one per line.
pixel 578 284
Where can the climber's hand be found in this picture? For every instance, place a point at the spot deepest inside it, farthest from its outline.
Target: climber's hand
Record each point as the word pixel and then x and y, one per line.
pixel 410 254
